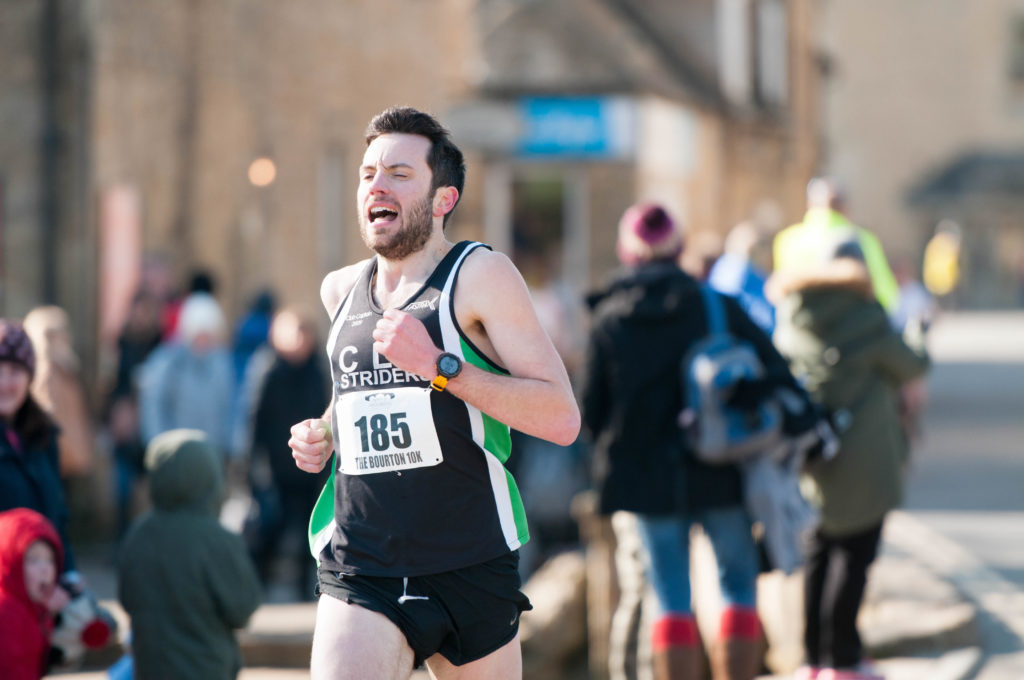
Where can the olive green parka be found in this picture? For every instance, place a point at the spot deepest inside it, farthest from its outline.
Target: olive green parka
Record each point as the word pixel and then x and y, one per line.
pixel 840 344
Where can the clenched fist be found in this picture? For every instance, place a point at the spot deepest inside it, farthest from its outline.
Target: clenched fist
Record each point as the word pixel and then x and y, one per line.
pixel 311 444
pixel 404 341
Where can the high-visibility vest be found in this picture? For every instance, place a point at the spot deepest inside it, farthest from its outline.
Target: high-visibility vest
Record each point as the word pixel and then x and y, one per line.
pixel 806 243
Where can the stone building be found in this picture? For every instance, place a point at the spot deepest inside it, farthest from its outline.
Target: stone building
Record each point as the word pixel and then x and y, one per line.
pixel 579 108
pixel 43 155
pixel 924 121
pixel 569 111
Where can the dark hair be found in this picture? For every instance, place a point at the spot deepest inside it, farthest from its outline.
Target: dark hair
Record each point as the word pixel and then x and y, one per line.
pixel 202 281
pixel 33 424
pixel 444 158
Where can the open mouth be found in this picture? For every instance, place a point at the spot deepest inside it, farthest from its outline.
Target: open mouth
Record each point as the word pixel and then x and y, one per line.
pixel 382 213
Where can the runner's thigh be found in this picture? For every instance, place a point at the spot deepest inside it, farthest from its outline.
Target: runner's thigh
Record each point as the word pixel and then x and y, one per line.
pixel 505 663
pixel 352 643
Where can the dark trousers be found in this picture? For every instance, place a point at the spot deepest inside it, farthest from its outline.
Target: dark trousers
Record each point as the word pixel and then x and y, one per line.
pixel 282 512
pixel 835 576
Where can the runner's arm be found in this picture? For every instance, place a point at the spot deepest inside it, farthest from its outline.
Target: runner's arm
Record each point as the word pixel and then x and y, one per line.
pixel 493 307
pixel 311 440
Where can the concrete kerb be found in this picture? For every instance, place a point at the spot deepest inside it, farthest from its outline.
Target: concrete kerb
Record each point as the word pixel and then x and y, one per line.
pixel 983 586
pixel 999 602
pixel 917 621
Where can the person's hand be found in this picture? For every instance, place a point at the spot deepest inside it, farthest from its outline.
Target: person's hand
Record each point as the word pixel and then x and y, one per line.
pixel 58 600
pixel 405 342
pixel 124 420
pixel 311 444
pixel 915 332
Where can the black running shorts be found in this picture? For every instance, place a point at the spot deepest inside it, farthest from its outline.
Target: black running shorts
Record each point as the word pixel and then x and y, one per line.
pixel 464 614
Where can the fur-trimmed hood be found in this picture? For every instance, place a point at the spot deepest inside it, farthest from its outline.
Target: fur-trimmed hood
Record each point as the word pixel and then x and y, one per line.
pixel 834 301
pixel 844 273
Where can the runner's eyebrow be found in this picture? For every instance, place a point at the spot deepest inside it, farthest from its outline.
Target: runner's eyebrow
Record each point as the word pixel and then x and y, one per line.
pixel 395 166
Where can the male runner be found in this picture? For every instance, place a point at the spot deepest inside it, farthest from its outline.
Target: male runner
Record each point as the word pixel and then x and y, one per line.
pixel 436 352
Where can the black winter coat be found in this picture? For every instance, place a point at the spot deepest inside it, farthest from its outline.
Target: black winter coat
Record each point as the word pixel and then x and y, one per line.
pixel 644 323
pixel 287 393
pixel 31 479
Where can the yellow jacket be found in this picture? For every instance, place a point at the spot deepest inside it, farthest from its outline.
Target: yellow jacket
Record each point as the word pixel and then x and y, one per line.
pixel 802 244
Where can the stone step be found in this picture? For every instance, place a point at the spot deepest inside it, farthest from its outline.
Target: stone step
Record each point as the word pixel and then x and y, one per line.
pixel 279 635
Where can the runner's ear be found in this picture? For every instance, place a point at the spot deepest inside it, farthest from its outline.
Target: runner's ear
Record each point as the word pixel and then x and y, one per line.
pixel 445 199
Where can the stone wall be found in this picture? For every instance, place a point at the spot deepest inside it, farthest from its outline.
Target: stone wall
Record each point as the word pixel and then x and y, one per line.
pixel 912 85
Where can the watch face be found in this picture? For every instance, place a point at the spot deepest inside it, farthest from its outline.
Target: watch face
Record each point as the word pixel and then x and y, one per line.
pixel 448 365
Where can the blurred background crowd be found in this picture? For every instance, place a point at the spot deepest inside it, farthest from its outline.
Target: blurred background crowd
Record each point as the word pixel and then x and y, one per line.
pixel 177 177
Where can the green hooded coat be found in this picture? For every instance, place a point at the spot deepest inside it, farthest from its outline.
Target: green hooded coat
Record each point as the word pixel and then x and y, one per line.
pixel 186 582
pixel 839 342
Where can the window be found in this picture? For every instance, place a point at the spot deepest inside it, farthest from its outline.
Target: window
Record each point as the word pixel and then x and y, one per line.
pixel 735 56
pixel 753 51
pixel 1017 51
pixel 772 47
pixel 332 207
pixel 537 224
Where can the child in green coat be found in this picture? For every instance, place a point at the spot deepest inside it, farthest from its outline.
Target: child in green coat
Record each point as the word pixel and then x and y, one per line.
pixel 186 582
pixel 840 343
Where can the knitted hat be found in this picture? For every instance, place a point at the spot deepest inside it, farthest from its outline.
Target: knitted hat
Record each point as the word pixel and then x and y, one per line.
pixel 646 233
pixel 15 345
pixel 200 314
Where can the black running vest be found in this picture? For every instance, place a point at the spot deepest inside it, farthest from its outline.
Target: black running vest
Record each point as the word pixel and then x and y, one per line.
pixel 420 483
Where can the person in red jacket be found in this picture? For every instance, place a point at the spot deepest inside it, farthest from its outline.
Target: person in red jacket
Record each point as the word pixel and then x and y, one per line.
pixel 31 557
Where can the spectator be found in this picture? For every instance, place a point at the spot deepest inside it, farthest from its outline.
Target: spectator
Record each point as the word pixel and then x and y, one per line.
pixel 549 475
pixel 916 303
pixel 286 380
pixel 838 339
pixel 735 274
pixel 186 582
pixel 201 281
pixel 31 557
pixel 29 468
pixel 942 256
pixel 189 382
pixel 703 249
pixel 139 337
pixel 251 332
pixel 806 243
pixel 645 321
pixel 57 388
pixel 917 308
pixel 157 282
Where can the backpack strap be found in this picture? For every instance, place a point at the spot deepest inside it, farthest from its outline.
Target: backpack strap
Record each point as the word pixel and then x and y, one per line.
pixel 715 310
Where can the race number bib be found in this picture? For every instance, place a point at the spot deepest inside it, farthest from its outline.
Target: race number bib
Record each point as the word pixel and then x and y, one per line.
pixel 386 431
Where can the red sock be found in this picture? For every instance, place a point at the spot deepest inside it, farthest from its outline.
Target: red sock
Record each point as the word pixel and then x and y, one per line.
pixel 739 622
pixel 674 630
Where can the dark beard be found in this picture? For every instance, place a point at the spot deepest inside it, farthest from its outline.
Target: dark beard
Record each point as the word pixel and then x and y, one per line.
pixel 417 227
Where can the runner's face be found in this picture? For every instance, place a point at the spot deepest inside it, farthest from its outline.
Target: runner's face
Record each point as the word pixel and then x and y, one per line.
pixel 394 197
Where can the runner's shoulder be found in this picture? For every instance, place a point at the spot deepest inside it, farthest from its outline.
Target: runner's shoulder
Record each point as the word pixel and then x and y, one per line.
pixel 487 267
pixel 337 284
pixel 488 282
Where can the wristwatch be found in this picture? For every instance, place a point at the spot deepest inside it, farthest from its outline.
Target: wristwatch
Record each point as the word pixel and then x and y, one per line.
pixel 448 366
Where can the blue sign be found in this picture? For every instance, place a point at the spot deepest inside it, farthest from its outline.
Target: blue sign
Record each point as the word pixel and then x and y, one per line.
pixel 597 127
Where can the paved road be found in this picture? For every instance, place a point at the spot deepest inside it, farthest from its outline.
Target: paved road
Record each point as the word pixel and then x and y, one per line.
pixel 967 480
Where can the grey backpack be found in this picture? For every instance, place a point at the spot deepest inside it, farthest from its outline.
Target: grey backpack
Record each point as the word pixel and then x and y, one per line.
pixel 711 371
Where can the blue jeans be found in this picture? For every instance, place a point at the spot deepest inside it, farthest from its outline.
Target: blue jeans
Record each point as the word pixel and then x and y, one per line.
pixel 667 539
